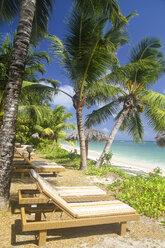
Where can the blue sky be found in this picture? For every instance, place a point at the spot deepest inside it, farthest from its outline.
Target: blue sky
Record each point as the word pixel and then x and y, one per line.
pixel 149 22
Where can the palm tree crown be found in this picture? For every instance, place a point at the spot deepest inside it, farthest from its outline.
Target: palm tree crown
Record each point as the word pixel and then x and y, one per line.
pixel 133 81
pixel 86 53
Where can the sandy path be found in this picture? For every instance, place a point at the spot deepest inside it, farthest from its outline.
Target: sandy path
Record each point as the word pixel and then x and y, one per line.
pixel 146 233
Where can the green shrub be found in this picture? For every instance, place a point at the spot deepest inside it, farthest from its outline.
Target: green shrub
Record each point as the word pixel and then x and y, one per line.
pixel 104 170
pixel 107 157
pixel 54 152
pixel 145 194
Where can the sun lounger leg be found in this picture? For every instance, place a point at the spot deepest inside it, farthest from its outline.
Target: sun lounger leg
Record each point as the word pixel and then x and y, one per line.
pixel 123 226
pixel 22 175
pixel 42 238
pixel 38 216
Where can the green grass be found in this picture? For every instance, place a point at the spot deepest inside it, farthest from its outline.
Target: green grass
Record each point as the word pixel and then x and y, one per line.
pixel 55 153
pixel 104 170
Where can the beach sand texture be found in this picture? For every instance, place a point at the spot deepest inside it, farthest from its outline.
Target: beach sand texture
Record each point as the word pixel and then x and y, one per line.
pixel 145 233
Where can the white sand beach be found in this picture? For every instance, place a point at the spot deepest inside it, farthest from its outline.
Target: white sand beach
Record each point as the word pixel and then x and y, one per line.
pixel 130 167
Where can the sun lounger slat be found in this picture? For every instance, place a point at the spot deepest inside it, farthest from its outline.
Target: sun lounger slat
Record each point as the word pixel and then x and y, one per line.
pixel 40 168
pixel 78 214
pixel 42 225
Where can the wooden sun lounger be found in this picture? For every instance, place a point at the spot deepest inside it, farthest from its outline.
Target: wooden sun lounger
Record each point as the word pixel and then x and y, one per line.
pixel 77 214
pixel 25 165
pixel 70 194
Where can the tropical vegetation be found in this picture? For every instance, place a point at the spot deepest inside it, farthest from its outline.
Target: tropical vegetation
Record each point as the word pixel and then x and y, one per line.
pixel 86 53
pixel 145 194
pixel 133 81
pixel 41 120
pixel 31 12
pixel 96 29
pixel 35 65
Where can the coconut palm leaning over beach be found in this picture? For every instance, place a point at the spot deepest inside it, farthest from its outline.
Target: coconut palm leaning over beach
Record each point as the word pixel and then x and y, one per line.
pixel 134 80
pixel 86 54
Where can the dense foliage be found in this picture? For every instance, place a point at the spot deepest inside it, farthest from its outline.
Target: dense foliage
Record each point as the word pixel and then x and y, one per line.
pixel 41 120
pixel 104 170
pixel 145 194
pixel 54 152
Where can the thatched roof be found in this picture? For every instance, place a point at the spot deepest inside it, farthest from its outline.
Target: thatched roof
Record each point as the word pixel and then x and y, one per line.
pixel 90 134
pixel 160 139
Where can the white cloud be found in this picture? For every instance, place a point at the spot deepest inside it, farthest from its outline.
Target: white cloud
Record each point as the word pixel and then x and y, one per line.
pixel 105 130
pixel 62 99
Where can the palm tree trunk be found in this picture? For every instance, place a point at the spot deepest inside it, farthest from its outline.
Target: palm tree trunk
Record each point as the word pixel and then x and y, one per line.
pixel 83 165
pixel 112 136
pixel 86 147
pixel 12 97
pixel 1 116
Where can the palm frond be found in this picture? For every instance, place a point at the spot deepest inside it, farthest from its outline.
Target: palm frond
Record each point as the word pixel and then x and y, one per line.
pixel 8 9
pixel 147 47
pixel 154 98
pixel 60 52
pixel 101 92
pixel 47 132
pixel 117 35
pixel 155 109
pixel 36 86
pixel 38 129
pixel 109 8
pixel 83 43
pixel 133 125
pixel 102 114
pixel 71 126
pixel 35 58
pixel 156 117
pixel 41 16
pixel 31 72
pixel 36 113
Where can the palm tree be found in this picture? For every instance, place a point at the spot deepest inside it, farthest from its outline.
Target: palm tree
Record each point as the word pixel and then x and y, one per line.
pixel 34 65
pixel 24 34
pixel 55 127
pixel 31 12
pixel 59 123
pixel 133 80
pixel 86 54
pixel 44 121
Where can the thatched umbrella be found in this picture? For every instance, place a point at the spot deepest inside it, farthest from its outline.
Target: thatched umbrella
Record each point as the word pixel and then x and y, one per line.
pixel 160 139
pixel 90 134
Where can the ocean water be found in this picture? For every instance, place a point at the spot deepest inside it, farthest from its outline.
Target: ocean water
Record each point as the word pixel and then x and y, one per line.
pixel 146 153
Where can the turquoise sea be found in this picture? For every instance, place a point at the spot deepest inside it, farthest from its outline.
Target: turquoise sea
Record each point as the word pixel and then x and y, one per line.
pixel 146 153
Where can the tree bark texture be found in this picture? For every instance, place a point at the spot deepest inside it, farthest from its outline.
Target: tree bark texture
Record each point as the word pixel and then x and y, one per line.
pixel 86 146
pixel 83 165
pixel 16 72
pixel 112 136
pixel 1 116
